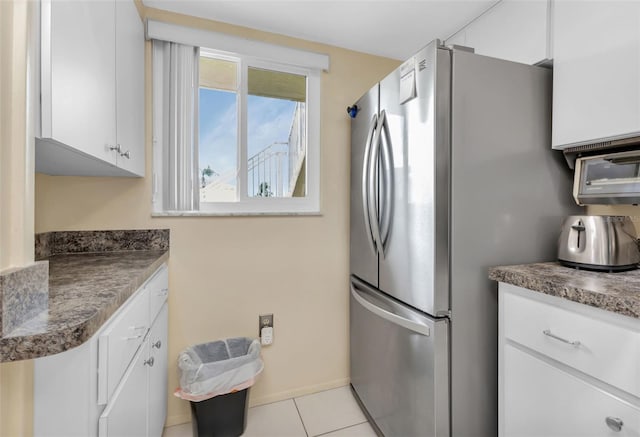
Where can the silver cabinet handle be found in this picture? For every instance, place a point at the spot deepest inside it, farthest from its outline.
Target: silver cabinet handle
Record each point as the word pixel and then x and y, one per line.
pixel 136 328
pixel 614 423
pixel 548 333
pixel 116 148
pixel 149 362
pixel 125 154
pixel 157 344
pixel 163 292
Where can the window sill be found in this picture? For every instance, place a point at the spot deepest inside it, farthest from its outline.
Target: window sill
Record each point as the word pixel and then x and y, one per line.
pixel 234 214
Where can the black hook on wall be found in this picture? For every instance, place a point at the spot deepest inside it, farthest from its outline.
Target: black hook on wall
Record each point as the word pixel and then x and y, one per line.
pixel 352 111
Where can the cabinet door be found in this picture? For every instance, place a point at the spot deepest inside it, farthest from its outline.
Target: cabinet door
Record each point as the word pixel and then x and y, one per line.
pixel 118 343
pixel 542 400
pixel 78 77
pixel 596 85
pixel 126 414
pixel 129 85
pixel 158 373
pixel 516 30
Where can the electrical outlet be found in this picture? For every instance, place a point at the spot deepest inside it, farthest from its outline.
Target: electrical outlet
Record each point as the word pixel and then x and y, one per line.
pixel 267 336
pixel 265 329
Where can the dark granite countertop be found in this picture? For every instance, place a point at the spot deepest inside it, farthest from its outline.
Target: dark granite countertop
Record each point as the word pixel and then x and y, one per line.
pixel 615 292
pixel 85 289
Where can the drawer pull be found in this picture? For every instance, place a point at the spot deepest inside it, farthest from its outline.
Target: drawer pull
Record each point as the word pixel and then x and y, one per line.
pixel 149 362
pixel 137 328
pixel 157 344
pixel 135 337
pixel 163 292
pixel 550 334
pixel 614 423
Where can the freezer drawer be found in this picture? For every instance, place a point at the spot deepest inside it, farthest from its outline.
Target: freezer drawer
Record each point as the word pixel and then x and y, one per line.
pixel 399 364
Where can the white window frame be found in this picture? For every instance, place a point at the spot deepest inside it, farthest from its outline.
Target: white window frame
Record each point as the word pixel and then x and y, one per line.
pixel 310 203
pixel 257 54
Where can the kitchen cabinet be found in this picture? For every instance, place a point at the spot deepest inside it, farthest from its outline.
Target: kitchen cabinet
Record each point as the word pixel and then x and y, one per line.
pixel 126 415
pixel 158 373
pixel 115 383
pixel 129 88
pixel 543 400
pixel 596 90
pixel 92 89
pixel 516 30
pixel 139 404
pixel 565 369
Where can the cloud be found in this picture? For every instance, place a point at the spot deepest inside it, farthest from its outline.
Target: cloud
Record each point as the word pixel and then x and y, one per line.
pixel 218 133
pixel 268 121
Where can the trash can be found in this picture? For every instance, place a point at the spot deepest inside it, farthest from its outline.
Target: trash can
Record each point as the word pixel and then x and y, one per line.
pixel 215 377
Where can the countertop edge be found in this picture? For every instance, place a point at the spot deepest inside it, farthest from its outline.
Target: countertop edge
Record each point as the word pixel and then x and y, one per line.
pixel 626 305
pixel 45 344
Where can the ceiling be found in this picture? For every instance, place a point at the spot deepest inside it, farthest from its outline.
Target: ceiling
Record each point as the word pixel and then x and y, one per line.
pixel 392 28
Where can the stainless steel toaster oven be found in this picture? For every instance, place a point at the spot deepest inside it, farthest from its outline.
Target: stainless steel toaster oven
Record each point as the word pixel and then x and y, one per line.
pixel 613 178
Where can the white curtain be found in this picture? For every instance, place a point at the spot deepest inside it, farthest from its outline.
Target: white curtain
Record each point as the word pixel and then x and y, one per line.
pixel 175 94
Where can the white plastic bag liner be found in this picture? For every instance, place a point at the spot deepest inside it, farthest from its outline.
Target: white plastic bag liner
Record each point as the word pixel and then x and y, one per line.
pixel 218 367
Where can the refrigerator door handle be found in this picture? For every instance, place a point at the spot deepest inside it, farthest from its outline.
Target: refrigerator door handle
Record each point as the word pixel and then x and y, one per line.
pixel 373 189
pixel 386 158
pixel 365 183
pixel 411 325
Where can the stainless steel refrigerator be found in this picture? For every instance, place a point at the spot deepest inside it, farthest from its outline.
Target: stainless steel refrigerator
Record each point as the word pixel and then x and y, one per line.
pixel 451 172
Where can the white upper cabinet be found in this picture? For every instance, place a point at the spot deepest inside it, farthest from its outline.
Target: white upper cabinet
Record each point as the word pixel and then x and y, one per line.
pixel 78 47
pixel 92 89
pixel 596 75
pixel 516 30
pixel 130 87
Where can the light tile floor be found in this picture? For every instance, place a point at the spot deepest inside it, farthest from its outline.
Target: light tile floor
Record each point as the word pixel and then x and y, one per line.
pixel 330 413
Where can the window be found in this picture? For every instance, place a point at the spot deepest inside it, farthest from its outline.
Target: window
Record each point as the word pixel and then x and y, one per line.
pixel 255 147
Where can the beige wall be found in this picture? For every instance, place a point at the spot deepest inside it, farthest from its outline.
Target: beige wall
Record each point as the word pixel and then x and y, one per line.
pixel 16 197
pixel 224 271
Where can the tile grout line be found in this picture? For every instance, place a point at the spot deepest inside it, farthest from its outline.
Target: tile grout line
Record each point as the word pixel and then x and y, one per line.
pixel 293 397
pixel 300 416
pixel 340 429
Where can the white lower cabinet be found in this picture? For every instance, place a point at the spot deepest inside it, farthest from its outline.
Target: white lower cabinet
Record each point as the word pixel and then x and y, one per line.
pixel 542 400
pixel 126 414
pixel 565 369
pixel 115 384
pixel 158 373
pixel 139 405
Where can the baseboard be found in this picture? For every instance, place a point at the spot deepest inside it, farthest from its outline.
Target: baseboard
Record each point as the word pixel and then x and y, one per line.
pixel 302 391
pixel 179 419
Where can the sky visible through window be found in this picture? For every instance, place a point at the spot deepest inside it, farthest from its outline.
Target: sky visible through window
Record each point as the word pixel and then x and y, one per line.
pixel 268 121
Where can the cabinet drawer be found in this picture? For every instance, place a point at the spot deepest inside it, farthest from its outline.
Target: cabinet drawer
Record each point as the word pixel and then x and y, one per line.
pixel 542 400
pixel 601 348
pixel 158 288
pixel 119 342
